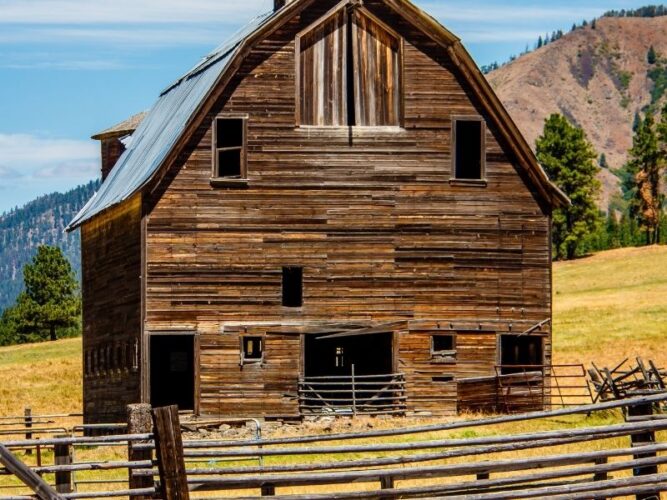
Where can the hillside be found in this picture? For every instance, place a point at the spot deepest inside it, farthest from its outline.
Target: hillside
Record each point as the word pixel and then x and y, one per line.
pixel 42 221
pixel 606 307
pixel 599 78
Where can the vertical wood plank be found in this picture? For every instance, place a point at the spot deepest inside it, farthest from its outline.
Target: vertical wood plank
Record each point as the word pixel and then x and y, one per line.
pixel 63 456
pixel 169 450
pixel 642 439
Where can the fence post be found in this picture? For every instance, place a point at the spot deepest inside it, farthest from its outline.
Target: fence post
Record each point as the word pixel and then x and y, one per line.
pixel 386 483
pixel 169 450
pixel 268 490
pixel 27 416
pixel 354 394
pixel 483 476
pixel 139 421
pixel 640 439
pixel 601 476
pixel 63 456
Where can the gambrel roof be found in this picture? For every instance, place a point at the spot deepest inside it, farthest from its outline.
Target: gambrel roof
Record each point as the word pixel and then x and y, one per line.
pixel 179 105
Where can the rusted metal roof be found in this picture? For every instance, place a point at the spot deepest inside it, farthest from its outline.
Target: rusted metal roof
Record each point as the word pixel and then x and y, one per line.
pixel 162 126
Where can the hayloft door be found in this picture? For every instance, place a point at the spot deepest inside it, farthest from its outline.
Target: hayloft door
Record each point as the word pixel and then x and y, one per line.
pixel 172 371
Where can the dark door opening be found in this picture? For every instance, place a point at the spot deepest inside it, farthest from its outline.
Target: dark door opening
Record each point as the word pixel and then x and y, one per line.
pixel 172 371
pixel 328 383
pixel 520 353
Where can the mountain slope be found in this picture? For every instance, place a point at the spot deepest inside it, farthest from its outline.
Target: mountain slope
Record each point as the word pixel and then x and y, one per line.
pixel 597 77
pixel 42 221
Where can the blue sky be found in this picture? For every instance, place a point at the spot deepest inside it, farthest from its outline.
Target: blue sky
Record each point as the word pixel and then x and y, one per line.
pixel 70 68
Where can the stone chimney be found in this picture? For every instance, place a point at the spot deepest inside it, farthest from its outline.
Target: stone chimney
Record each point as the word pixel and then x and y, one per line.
pixel 111 142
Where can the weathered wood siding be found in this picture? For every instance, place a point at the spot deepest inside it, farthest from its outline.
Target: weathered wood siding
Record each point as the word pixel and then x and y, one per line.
pixel 370 213
pixel 111 286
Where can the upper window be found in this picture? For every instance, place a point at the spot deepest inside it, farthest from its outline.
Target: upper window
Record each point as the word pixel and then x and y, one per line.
pixel 349 72
pixel 229 136
pixel 469 148
pixel 443 348
pixel 292 286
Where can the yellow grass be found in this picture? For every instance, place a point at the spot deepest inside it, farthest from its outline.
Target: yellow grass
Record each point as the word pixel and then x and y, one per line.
pixel 606 307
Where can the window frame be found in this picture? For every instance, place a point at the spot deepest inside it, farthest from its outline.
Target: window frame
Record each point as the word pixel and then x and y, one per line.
pixel 242 179
pixel 459 180
pixel 244 359
pixel 443 356
pixel 352 4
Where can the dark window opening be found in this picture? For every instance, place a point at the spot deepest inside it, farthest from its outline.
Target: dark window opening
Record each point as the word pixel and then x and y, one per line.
pixel 172 371
pixel 292 286
pixel 340 357
pixel 469 149
pixel 443 343
pixel 443 378
pixel 253 349
pixel 229 146
pixel 521 353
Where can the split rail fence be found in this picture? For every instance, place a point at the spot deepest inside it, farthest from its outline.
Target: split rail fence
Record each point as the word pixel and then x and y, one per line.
pixel 459 459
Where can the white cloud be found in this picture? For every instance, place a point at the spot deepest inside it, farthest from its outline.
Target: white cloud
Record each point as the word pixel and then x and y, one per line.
pixel 8 173
pixel 42 156
pixel 127 11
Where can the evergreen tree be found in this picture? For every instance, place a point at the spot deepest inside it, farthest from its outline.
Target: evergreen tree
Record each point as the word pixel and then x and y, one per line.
pixel 613 231
pixel 569 159
pixel 652 57
pixel 636 122
pixel 642 180
pixel 540 42
pixel 51 298
pixel 594 24
pixel 603 161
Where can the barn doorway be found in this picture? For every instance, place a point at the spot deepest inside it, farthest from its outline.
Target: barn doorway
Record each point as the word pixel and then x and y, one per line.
pixel 350 375
pixel 172 371
pixel 370 355
pixel 520 352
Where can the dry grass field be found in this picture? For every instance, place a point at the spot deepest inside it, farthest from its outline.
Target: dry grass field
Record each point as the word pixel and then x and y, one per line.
pixel 606 307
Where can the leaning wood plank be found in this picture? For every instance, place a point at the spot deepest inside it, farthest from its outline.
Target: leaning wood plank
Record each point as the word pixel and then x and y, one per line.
pixel 30 478
pixel 169 451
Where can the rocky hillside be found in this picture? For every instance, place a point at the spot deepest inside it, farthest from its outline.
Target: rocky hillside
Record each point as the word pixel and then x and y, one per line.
pixel 598 76
pixel 42 221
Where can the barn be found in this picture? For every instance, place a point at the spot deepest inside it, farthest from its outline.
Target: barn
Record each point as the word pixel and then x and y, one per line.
pixel 330 213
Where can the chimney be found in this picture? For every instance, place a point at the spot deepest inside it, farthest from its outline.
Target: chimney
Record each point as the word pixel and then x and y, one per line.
pixel 111 142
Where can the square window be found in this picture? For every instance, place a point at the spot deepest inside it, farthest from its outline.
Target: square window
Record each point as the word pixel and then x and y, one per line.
pixel 229 148
pixel 443 348
pixel 292 286
pixel 252 348
pixel 468 149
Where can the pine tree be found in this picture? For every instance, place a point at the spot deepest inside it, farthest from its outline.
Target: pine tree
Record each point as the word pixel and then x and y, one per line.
pixel 636 122
pixel 50 300
pixel 569 159
pixel 613 231
pixel 594 24
pixel 642 180
pixel 603 161
pixel 540 42
pixel 652 57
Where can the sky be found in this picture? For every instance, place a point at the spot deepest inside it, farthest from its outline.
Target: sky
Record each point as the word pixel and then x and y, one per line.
pixel 71 68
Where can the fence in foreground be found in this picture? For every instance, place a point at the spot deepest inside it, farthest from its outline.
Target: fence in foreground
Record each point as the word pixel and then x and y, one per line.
pixel 460 459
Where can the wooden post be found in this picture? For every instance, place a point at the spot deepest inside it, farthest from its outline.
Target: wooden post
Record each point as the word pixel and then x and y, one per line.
pixel 268 490
pixel 483 476
pixel 354 394
pixel 139 421
pixel 601 476
pixel 169 450
pixel 642 439
pixel 63 456
pixel 386 483
pixel 27 416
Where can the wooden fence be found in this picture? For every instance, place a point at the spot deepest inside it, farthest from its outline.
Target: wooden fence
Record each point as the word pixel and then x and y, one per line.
pixel 459 459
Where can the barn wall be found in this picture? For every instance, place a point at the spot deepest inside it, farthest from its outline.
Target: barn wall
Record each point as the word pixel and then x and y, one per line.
pixel 370 214
pixel 111 256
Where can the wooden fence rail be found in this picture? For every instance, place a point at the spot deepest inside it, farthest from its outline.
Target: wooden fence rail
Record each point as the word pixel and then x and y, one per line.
pixel 625 458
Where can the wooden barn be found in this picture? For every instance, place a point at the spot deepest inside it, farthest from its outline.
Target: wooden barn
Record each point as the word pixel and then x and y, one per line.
pixel 332 212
